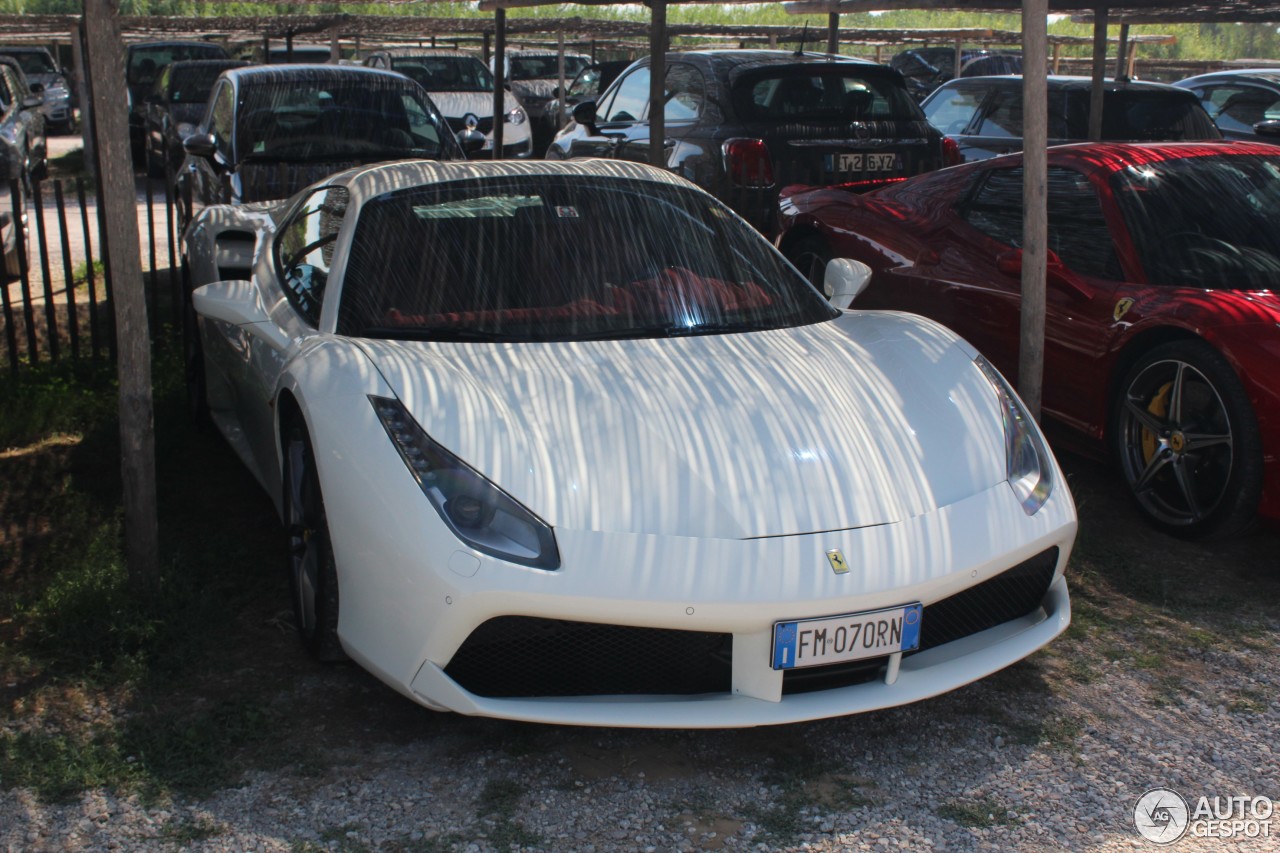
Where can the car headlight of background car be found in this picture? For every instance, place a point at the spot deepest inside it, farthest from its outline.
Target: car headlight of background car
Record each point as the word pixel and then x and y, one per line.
pixel 1027 460
pixel 185 129
pixel 516 116
pixel 478 512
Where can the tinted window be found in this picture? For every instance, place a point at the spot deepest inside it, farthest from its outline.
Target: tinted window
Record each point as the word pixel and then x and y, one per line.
pixel 32 61
pixel 1003 117
pixel 599 258
pixel 952 108
pixel 1205 221
pixel 191 84
pixel 304 250
pixel 1238 108
pixel 1141 114
pixel 684 93
pixel 222 118
pixel 1078 233
pixel 829 92
pixel 544 67
pixel 445 73
pixel 631 99
pixel 338 116
pixel 145 62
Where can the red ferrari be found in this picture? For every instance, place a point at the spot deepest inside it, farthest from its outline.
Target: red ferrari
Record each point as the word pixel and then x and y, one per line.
pixel 1162 337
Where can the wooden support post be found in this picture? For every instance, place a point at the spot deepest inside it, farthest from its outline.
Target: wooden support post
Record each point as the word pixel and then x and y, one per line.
pixel 499 77
pixel 288 46
pixel 335 53
pixel 959 57
pixel 1057 58
pixel 485 53
pixel 83 96
pixel 1099 71
pixel 1122 62
pixel 657 83
pixel 1035 199
pixel 833 32
pixel 137 437
pixel 560 81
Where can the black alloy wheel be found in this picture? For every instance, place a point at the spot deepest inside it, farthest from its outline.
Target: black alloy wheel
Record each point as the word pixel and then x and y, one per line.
pixel 1188 441
pixel 313 574
pixel 193 357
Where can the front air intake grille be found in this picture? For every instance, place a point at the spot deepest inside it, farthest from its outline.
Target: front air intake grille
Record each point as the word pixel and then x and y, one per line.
pixel 514 656
pixel 830 676
pixel 1007 596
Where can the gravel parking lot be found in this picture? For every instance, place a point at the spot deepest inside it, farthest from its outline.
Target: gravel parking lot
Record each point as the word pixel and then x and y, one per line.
pixel 1168 677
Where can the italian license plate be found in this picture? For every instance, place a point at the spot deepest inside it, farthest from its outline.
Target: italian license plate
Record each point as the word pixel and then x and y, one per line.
pixel 854 636
pixel 877 162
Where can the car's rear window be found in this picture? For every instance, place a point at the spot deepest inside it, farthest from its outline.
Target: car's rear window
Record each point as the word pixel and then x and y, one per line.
pixel 826 92
pixel 546 257
pixel 1138 115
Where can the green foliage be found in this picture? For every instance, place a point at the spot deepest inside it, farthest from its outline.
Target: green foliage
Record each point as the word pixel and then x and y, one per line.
pixel 48 399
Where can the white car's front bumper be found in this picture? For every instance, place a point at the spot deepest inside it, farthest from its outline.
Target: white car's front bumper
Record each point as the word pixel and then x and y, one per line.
pixel 417 602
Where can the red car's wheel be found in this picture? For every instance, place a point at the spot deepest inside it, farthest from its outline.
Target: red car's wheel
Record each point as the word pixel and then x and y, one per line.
pixel 1188 441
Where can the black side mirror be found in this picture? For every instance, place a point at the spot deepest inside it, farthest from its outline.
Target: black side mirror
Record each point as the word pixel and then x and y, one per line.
pixel 585 114
pixel 1270 127
pixel 200 145
pixel 37 88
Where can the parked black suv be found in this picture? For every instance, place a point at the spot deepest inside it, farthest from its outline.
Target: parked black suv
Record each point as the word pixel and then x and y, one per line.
pixel 984 114
pixel 744 123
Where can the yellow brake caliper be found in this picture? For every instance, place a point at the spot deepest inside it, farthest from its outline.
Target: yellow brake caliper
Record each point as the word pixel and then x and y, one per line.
pixel 1159 406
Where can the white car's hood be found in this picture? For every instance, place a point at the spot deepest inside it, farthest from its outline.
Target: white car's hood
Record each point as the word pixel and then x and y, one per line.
pixel 866 420
pixel 456 105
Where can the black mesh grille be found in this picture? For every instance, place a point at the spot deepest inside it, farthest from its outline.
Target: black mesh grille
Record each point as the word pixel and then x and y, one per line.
pixel 514 656
pixel 812 678
pixel 1009 595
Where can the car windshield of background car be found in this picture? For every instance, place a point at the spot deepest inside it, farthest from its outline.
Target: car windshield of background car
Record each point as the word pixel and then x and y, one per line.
pixel 1231 243
pixel 545 67
pixel 445 73
pixel 145 62
pixel 192 84
pixel 363 116
pixel 33 61
pixel 563 258
pixel 824 94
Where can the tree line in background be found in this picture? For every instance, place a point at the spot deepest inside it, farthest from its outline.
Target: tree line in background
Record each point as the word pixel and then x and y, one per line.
pixel 1194 41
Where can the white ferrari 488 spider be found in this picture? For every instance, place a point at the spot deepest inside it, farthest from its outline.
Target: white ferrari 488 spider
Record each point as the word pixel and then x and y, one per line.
pixel 570 442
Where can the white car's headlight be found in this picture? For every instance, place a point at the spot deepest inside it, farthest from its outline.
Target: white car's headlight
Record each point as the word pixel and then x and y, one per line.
pixel 185 129
pixel 478 512
pixel 516 116
pixel 1027 460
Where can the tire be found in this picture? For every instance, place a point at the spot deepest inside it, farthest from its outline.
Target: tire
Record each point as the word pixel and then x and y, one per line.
pixel 313 574
pixel 14 258
pixel 155 168
pixel 1188 442
pixel 193 367
pixel 810 255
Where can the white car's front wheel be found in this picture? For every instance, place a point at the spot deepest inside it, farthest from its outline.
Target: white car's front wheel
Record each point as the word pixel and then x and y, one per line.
pixel 313 577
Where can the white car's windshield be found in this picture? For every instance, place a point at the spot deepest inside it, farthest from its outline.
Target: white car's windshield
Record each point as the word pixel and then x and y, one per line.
pixel 561 258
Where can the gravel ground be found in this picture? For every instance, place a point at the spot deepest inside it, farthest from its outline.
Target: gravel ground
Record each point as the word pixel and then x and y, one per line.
pixel 1048 755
